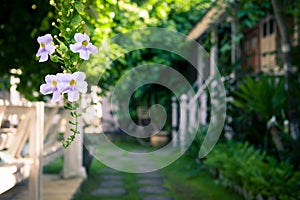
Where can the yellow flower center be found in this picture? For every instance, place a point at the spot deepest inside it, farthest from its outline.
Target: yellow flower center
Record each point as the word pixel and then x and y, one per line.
pixel 43 45
pixel 72 82
pixel 85 43
pixel 54 83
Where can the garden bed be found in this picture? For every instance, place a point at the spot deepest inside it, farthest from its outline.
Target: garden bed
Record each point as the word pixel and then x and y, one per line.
pixel 252 173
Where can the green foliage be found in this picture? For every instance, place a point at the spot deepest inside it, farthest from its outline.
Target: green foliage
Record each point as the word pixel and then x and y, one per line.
pixel 264 96
pixel 243 165
pixel 21 23
pixel 72 107
pixel 249 12
pixel 193 150
pixel 71 19
pixel 114 17
pixel 101 19
pixel 255 101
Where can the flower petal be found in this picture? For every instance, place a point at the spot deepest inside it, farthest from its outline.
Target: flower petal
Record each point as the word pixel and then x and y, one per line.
pixel 79 37
pixel 55 97
pixel 86 37
pixel 46 89
pixel 92 49
pixel 76 47
pixel 44 57
pixel 73 95
pixel 50 78
pixel 83 54
pixel 82 86
pixel 78 76
pixel 63 87
pixel 66 78
pixel 47 39
pixel 50 49
pixel 40 51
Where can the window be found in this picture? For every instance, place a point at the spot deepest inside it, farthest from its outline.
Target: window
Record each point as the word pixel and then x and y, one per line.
pixel 264 29
pixel 268 44
pixel 268 28
pixel 271 26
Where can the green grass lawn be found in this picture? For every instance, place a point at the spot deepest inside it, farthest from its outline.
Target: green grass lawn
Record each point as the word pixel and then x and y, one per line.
pixel 184 179
pixel 187 181
pixel 178 179
pixel 54 167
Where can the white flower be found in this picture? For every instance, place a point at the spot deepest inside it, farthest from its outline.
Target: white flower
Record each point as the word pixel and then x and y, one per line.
pixel 46 47
pixel 83 46
pixel 52 85
pixel 73 84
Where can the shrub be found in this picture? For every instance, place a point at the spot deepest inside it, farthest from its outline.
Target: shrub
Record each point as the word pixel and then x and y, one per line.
pixel 255 172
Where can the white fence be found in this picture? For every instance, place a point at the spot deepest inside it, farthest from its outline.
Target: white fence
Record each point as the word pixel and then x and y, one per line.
pixel 30 141
pixel 197 110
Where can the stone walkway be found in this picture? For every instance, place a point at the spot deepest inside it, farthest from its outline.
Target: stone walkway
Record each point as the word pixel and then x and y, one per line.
pixel 54 188
pixel 113 186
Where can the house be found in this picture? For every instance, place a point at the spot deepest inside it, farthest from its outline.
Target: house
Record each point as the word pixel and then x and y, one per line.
pixel 233 51
pixel 256 49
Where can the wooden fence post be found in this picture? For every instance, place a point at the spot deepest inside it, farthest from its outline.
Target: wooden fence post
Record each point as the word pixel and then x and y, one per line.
pixel 183 121
pixel 73 165
pixel 174 122
pixel 214 51
pixel 36 141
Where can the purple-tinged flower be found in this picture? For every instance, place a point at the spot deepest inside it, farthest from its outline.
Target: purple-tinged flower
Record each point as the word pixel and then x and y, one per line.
pixel 46 47
pixel 83 46
pixel 73 84
pixel 52 85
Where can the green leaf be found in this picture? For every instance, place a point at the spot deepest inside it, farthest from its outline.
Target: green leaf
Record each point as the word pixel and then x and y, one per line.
pixel 68 106
pixel 79 7
pixel 54 58
pixel 63 47
pixel 73 130
pixel 73 123
pixel 76 21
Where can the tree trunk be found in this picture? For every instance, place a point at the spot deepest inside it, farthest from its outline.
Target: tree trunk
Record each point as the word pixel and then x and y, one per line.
pixel 276 138
pixel 286 51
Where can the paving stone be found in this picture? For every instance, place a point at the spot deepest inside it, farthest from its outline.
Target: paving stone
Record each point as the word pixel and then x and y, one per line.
pixel 111 177
pixel 157 198
pixel 111 183
pixel 109 192
pixel 150 175
pixel 152 189
pixel 150 181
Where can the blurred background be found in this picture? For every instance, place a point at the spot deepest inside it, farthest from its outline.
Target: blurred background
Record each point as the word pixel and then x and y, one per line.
pixel 255 46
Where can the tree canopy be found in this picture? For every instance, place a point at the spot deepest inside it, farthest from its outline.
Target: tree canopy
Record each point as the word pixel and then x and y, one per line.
pixel 23 21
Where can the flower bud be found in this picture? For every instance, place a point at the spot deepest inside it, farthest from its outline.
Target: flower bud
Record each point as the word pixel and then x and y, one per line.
pixel 52 2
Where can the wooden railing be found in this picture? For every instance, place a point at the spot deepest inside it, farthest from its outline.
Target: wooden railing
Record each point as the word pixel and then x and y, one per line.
pixel 27 145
